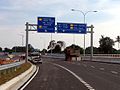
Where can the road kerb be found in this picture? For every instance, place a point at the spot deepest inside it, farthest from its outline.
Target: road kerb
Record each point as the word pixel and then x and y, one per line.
pixel 15 83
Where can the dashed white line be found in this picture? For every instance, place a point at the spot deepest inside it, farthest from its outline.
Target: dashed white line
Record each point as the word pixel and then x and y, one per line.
pixel 101 68
pixel 114 72
pixel 93 66
pixel 79 78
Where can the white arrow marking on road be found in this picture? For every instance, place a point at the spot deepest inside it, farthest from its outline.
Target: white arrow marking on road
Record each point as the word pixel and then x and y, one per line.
pixel 80 79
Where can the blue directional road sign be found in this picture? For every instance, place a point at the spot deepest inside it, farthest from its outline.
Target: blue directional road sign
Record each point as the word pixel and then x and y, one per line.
pixel 71 28
pixel 46 24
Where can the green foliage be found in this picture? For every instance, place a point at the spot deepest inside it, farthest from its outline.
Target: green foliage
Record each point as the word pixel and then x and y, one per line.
pixel 7 50
pixel 0 49
pixel 57 49
pixel 95 50
pixel 18 49
pixel 106 45
pixel 43 51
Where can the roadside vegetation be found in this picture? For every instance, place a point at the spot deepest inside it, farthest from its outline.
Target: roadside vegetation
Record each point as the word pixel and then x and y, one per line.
pixel 8 74
pixel 106 46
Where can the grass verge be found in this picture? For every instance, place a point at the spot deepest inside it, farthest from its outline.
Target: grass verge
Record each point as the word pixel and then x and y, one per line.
pixel 8 74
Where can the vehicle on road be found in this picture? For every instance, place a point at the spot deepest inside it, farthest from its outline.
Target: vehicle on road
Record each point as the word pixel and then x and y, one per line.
pixel 37 61
pixel 35 58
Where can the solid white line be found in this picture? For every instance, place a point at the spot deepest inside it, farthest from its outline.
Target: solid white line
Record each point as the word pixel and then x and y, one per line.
pixel 30 79
pixel 79 78
pixel 114 72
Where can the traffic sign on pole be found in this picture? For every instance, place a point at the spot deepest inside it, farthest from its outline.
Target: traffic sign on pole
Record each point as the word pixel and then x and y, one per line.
pixel 71 28
pixel 46 24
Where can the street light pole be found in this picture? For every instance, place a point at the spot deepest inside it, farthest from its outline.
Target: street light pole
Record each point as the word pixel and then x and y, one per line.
pixel 84 14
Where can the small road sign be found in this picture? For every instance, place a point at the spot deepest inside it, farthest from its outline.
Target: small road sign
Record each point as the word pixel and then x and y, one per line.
pixel 71 28
pixel 46 24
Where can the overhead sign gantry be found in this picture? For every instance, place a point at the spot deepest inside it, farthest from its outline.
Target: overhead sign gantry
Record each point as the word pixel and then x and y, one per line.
pixel 47 25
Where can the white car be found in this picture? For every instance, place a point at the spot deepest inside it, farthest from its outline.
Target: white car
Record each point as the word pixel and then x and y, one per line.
pixel 37 60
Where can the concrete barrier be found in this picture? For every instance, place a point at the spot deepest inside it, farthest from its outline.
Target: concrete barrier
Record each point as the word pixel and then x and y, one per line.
pixel 18 81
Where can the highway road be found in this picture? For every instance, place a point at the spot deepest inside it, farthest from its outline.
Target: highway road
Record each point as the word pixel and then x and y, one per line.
pixel 56 74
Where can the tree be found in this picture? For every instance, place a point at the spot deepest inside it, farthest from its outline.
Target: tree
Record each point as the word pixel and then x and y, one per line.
pixel 56 45
pixel 118 40
pixel 61 43
pixel 57 49
pixel 43 51
pixel 0 49
pixel 95 50
pixel 19 49
pixel 106 45
pixel 7 50
pixel 51 44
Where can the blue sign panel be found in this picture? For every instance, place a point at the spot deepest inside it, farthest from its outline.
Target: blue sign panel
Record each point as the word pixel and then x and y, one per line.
pixel 46 24
pixel 71 28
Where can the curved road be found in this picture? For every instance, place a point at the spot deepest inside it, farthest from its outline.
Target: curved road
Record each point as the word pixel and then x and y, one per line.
pixel 100 76
pixel 51 77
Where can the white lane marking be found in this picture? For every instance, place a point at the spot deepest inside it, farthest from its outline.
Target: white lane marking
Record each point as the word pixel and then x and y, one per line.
pixel 101 68
pixel 93 66
pixel 30 79
pixel 79 78
pixel 114 72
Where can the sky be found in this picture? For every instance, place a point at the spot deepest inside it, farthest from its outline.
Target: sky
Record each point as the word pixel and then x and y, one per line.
pixel 15 13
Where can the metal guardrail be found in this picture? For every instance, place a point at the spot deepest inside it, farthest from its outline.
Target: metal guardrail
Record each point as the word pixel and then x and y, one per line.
pixel 7 66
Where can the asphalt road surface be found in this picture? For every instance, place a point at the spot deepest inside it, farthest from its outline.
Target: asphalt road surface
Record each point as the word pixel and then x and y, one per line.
pixel 56 74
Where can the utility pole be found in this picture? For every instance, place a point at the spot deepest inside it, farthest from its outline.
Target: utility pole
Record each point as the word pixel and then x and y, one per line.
pixel 27 41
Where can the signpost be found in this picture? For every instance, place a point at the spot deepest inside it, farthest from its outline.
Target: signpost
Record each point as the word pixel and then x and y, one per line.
pixel 46 24
pixel 71 28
